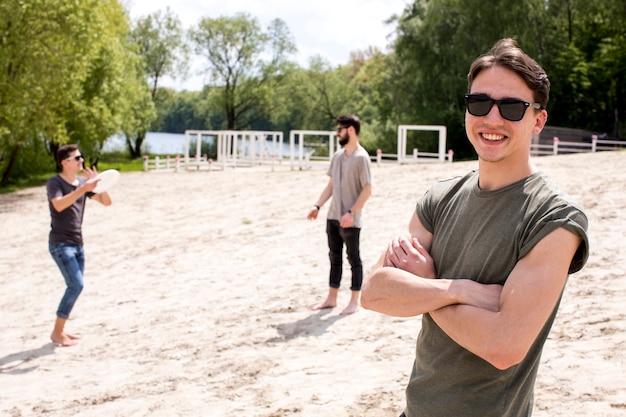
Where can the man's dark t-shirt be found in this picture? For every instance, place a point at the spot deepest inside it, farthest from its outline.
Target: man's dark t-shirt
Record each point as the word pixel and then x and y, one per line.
pixel 66 225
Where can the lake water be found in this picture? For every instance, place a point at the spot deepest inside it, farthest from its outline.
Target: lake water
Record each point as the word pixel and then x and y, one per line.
pixel 160 143
pixel 155 142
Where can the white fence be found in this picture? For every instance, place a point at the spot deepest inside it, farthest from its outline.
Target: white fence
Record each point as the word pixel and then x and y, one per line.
pixel 168 163
pixel 252 148
pixel 235 148
pixel 561 147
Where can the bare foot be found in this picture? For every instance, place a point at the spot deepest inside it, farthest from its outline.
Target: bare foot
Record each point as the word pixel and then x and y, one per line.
pixel 352 308
pixel 73 337
pixel 63 339
pixel 325 304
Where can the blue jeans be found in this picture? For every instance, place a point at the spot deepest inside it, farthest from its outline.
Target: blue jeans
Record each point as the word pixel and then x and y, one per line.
pixel 71 261
pixel 337 237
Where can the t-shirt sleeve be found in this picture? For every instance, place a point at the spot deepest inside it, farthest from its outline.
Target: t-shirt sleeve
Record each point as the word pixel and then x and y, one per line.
pixel 570 218
pixel 427 204
pixel 424 210
pixel 53 188
pixel 365 173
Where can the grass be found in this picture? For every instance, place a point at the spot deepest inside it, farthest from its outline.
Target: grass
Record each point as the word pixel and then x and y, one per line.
pixel 120 161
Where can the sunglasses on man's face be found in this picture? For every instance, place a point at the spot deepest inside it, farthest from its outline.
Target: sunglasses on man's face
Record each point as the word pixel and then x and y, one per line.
pixel 511 109
pixel 76 158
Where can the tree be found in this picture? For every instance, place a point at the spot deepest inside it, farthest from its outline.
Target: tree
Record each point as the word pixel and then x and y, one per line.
pixel 61 74
pixel 244 62
pixel 115 93
pixel 160 42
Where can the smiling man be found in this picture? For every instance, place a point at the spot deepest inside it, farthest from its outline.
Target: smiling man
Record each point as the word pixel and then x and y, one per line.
pixel 486 256
pixel 67 193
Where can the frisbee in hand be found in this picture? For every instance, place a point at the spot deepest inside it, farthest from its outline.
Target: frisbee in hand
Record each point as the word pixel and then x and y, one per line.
pixel 107 179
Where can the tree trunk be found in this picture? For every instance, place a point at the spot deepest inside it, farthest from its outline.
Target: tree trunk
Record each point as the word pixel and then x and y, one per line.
pixel 135 148
pixel 6 175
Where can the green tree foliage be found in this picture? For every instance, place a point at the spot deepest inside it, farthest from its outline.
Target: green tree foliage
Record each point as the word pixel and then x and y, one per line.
pixel 180 111
pixel 65 68
pixel 41 72
pixel 115 91
pixel 319 93
pixel 436 42
pixel 160 41
pixel 579 43
pixel 374 103
pixel 245 64
pixel 587 66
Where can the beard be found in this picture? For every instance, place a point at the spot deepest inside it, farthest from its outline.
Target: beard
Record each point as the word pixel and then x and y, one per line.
pixel 343 140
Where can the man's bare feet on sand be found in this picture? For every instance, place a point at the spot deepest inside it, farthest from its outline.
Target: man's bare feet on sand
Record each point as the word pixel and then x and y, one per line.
pixel 330 301
pixel 324 305
pixel 64 339
pixel 351 309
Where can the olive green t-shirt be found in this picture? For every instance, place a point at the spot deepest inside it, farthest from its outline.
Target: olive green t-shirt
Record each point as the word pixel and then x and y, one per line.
pixel 481 235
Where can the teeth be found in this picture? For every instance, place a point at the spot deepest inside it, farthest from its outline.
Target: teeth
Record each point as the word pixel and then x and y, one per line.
pixel 491 136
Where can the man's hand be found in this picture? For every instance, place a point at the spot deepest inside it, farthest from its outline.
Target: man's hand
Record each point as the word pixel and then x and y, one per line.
pixel 408 254
pixel 92 181
pixel 347 220
pixel 313 213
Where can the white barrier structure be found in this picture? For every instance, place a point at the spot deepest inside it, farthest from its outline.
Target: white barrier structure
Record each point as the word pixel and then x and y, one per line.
pixel 404 158
pixel 157 163
pixel 198 160
pixel 304 158
pixel 235 148
pixel 563 147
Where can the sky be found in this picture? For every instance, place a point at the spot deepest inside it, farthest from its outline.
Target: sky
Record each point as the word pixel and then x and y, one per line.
pixel 328 28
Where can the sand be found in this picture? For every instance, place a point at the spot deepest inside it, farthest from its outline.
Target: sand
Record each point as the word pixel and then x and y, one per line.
pixel 198 295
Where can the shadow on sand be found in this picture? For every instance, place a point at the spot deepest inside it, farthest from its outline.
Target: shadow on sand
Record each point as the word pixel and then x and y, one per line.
pixel 314 325
pixel 19 363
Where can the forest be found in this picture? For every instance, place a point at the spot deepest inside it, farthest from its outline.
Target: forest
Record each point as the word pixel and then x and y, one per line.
pixel 82 71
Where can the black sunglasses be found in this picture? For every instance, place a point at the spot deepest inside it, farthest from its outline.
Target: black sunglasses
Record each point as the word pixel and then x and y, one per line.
pixel 76 158
pixel 340 128
pixel 510 108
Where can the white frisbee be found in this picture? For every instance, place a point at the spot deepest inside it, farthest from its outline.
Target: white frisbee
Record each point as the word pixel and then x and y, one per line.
pixel 107 179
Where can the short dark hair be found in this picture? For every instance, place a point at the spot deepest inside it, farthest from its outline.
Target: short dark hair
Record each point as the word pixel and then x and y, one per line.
pixel 350 120
pixel 505 53
pixel 64 151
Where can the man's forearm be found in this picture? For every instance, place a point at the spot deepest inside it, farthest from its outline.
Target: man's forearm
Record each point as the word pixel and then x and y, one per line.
pixel 395 292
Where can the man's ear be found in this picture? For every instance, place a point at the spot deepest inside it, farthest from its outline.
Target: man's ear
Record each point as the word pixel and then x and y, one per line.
pixel 540 121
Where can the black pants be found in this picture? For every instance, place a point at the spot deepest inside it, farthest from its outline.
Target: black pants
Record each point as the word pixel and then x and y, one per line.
pixel 337 237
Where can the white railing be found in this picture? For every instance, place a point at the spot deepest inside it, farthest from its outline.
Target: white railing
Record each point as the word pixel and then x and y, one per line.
pixel 417 157
pixel 174 164
pixel 561 147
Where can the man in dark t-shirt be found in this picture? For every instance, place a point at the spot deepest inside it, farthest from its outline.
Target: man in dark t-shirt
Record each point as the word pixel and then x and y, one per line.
pixel 67 193
pixel 486 256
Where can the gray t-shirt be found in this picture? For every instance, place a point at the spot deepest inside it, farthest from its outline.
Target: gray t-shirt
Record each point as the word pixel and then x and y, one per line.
pixel 66 225
pixel 349 173
pixel 481 235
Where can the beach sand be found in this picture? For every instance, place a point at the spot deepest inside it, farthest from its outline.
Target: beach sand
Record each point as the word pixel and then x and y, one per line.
pixel 199 287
